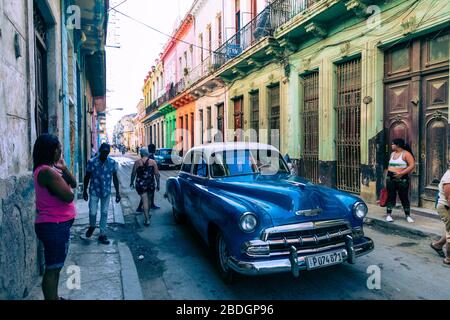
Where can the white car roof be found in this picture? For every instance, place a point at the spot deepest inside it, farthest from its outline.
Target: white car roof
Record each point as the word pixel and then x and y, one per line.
pixel 229 146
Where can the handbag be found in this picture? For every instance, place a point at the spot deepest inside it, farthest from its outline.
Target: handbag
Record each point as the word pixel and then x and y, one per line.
pixel 383 197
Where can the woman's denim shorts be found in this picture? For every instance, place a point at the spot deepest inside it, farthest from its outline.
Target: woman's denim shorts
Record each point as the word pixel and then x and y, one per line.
pixel 56 238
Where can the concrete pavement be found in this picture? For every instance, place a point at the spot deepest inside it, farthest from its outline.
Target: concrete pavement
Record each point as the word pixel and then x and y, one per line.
pixel 94 271
pixel 426 224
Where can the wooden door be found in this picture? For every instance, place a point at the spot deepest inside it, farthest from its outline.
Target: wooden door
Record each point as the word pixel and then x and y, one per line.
pixel 435 132
pixel 416 109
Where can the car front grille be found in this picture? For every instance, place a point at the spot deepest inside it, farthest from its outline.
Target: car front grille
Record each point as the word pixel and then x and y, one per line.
pixel 307 238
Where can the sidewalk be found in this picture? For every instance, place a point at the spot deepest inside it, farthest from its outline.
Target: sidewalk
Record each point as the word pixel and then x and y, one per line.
pixel 427 224
pixel 106 272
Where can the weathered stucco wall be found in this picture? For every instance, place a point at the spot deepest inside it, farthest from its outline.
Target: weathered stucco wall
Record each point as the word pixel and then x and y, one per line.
pixel 19 265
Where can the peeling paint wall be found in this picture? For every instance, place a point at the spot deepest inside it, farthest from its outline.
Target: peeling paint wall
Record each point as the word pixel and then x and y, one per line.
pixel 19 263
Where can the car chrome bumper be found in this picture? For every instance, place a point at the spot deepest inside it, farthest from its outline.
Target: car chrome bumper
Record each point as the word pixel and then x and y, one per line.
pixel 348 251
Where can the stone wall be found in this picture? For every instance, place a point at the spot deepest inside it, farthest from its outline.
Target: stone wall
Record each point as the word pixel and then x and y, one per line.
pixel 19 265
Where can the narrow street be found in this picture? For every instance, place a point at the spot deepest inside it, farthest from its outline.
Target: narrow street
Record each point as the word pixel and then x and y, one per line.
pixel 177 264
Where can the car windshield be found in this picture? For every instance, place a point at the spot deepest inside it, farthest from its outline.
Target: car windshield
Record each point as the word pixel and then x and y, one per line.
pixel 246 162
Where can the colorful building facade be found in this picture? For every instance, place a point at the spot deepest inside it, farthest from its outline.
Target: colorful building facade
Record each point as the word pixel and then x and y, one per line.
pixel 330 83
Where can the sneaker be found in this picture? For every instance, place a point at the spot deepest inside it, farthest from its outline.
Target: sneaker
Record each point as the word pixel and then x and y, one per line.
pixel 89 232
pixel 389 219
pixel 154 207
pixel 103 240
pixel 140 210
pixel 409 219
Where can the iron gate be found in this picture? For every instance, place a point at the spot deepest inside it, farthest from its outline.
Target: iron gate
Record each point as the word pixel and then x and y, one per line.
pixel 348 137
pixel 310 116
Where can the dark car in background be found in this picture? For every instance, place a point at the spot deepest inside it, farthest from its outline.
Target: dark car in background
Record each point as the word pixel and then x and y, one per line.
pixel 167 158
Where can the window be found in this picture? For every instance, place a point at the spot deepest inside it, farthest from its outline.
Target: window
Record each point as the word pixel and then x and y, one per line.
pixel 201 126
pixel 220 124
pixel 254 9
pixel 247 162
pixel 191 52
pixel 439 48
pixel 238 116
pixel 200 165
pixel 400 59
pixel 208 124
pixel 274 115
pixel 254 113
pixel 219 30
pixel 208 28
pixel 187 164
pixel 200 43
pixel 237 22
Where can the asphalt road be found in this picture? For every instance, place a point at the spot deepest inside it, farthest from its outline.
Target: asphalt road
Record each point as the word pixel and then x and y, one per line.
pixel 178 266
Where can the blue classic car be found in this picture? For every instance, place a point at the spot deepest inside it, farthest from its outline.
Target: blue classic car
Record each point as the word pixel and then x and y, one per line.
pixel 166 159
pixel 259 218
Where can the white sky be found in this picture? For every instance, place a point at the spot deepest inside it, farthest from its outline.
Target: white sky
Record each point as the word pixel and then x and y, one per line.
pixel 139 47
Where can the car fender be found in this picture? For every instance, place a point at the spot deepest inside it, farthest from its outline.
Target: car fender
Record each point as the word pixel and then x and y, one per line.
pixel 173 194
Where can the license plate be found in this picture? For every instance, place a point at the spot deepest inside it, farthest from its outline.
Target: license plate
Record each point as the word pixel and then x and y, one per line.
pixel 323 260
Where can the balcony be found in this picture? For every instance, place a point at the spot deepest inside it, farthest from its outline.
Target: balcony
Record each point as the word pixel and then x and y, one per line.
pixel 152 107
pixel 280 30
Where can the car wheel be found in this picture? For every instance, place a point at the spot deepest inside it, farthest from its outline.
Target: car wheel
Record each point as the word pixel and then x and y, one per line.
pixel 179 217
pixel 222 254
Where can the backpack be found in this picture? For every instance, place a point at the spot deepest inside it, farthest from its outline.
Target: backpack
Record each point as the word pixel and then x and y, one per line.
pixel 145 178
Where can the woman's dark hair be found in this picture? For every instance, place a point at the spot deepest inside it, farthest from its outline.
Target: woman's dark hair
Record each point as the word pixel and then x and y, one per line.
pixel 402 144
pixel 44 150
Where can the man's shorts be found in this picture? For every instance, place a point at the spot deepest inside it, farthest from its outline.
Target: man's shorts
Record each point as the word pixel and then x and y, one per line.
pixel 444 213
pixel 56 238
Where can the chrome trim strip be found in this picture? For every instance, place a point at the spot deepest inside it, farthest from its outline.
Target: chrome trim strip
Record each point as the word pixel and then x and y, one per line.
pixel 309 240
pixel 308 251
pixel 302 227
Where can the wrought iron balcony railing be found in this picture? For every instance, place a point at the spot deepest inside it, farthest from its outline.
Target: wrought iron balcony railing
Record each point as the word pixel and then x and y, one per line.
pixel 264 25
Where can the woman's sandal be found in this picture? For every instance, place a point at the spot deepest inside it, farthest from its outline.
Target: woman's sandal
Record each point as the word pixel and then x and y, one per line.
pixel 146 223
pixel 446 262
pixel 440 252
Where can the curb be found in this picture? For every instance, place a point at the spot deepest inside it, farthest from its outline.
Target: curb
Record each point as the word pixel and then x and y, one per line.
pixel 131 286
pixel 382 224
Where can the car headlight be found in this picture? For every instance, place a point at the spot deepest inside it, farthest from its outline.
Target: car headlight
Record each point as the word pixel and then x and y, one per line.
pixel 248 222
pixel 360 210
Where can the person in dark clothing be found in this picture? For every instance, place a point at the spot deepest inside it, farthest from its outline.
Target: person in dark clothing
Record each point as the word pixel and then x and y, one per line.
pixel 151 151
pixel 401 164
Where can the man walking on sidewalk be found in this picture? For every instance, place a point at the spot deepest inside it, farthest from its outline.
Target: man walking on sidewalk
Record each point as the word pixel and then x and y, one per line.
pixel 99 172
pixel 443 209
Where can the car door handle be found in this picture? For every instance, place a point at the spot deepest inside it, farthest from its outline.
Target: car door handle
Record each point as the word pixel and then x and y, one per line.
pixel 189 179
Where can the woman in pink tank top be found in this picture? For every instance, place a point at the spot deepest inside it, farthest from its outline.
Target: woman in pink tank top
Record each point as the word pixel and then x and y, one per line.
pixel 55 208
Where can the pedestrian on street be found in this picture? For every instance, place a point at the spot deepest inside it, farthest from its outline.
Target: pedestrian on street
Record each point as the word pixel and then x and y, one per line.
pixel 55 208
pixel 443 208
pixel 145 171
pixel 99 172
pixel 401 164
pixel 151 150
